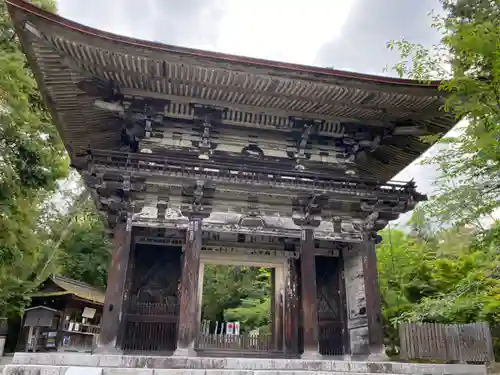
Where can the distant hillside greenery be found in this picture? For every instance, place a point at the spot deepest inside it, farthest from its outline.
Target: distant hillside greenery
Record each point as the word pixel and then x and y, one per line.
pixel 427 273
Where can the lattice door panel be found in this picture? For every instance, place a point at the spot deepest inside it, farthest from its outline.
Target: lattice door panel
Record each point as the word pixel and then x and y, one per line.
pixel 157 274
pixel 327 288
pixel 329 306
pixel 153 310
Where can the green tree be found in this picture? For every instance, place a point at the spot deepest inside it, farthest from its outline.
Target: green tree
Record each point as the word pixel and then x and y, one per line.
pixel 237 293
pixel 469 161
pixel 80 241
pixel 85 254
pixel 452 276
pixel 463 261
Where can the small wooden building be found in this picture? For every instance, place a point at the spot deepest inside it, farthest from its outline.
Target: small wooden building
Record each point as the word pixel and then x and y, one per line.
pixel 64 316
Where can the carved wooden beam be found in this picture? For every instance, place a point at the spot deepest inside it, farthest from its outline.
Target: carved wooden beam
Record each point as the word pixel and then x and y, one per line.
pixel 307 209
pixel 90 68
pixel 197 199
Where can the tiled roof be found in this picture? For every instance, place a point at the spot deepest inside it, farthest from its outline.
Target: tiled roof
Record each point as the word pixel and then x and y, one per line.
pixel 76 288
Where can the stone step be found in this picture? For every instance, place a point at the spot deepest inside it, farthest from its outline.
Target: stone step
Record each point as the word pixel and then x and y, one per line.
pixel 240 364
pixel 84 370
pixel 221 353
pixel 62 370
pixel 229 372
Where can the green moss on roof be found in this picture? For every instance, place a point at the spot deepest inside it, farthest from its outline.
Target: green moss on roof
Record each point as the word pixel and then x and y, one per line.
pixel 75 288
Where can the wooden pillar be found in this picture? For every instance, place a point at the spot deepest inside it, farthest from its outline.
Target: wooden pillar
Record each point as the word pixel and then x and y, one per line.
pixel 309 300
pixel 291 310
pixel 373 302
pixel 364 315
pixel 201 280
pixel 277 307
pixel 343 306
pixel 113 301
pixel 189 296
pixel 357 323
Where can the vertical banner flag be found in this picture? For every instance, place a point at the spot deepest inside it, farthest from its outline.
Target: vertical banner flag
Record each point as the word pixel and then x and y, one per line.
pixel 236 327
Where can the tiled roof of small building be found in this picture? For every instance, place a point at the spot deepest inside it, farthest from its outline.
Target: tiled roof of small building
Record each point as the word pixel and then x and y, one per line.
pixel 75 288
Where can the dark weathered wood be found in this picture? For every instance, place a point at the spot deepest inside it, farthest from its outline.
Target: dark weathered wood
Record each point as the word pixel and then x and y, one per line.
pixel 343 306
pixel 60 325
pixel 446 343
pixel 113 302
pixel 328 305
pixel 188 318
pixel 151 309
pixel 276 311
pixel 127 295
pixel 309 302
pixel 244 343
pixel 372 292
pixel 279 344
pixel 152 78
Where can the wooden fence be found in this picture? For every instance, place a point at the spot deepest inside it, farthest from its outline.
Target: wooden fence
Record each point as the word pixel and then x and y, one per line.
pixel 495 333
pixel 236 342
pixel 447 343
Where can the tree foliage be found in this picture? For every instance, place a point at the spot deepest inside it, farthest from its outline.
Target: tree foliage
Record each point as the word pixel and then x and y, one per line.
pixel 458 278
pixel 32 159
pixel 81 242
pixel 237 293
pixel 468 60
pixel 452 276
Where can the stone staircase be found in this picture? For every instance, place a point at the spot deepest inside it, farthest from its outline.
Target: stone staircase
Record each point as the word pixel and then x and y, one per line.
pixel 86 364
pixel 5 360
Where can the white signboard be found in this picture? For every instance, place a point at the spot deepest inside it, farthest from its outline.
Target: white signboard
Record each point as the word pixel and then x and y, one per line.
pixel 88 313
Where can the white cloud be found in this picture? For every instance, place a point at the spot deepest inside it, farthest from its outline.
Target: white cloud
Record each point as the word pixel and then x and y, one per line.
pixel 284 30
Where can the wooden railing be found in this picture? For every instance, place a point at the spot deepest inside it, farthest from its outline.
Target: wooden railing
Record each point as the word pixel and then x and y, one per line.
pixel 81 328
pixel 242 342
pixel 446 343
pixel 150 336
pixel 78 337
pixel 78 343
pixel 330 339
pixel 152 308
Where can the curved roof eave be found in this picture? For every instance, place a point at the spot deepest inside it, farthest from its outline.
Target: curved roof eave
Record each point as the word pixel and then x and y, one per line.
pixel 222 57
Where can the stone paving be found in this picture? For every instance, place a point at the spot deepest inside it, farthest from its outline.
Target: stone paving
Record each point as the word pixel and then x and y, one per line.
pixel 86 364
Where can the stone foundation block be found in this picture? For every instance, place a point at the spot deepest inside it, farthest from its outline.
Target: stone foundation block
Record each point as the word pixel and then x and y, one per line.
pixel 71 364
